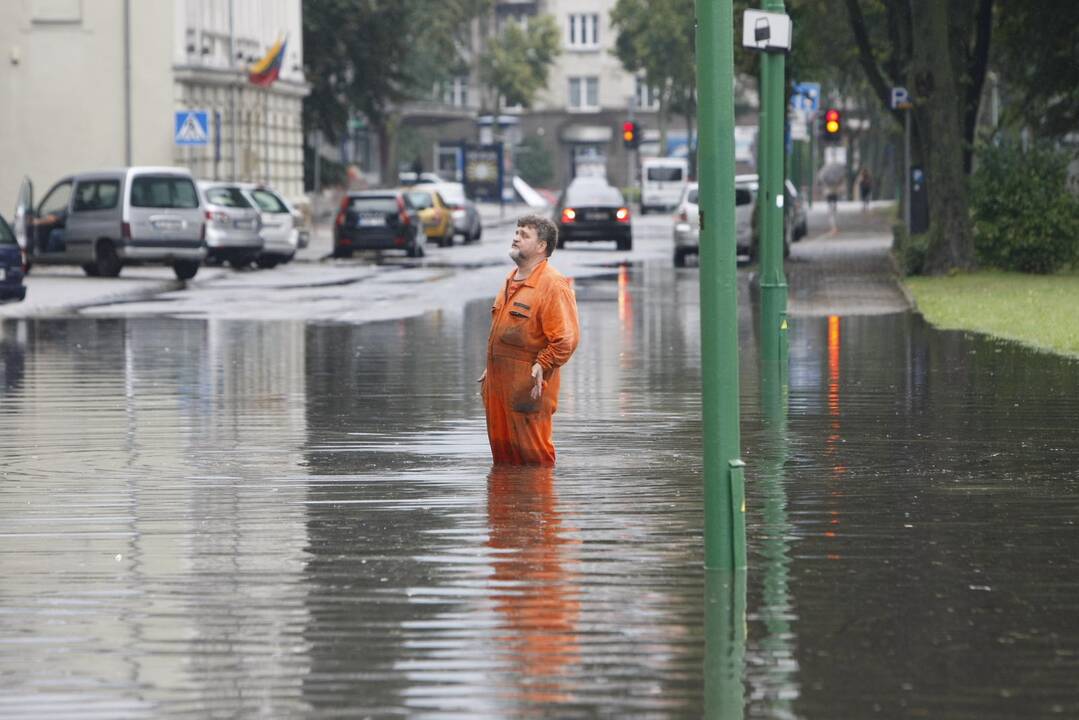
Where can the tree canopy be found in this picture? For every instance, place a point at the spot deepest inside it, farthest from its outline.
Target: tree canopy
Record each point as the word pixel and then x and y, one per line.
pixel 515 63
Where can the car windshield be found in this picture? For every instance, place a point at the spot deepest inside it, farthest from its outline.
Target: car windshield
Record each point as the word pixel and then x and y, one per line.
pixel 664 174
pixel 380 204
pixel 592 194
pixel 6 236
pixel 453 194
pixel 268 202
pixel 421 200
pixel 155 191
pixel 227 197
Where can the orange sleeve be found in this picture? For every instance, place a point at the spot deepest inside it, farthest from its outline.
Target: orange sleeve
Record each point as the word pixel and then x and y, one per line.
pixel 558 320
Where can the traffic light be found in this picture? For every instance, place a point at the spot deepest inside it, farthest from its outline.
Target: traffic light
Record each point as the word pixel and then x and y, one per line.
pixel 833 124
pixel 631 137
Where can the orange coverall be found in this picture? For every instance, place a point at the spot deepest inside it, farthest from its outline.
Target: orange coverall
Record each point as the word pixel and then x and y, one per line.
pixel 537 323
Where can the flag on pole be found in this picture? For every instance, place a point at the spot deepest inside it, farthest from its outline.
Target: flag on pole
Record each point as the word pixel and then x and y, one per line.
pixel 265 71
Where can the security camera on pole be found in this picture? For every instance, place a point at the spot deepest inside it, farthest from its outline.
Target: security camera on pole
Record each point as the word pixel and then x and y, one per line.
pixel 769 32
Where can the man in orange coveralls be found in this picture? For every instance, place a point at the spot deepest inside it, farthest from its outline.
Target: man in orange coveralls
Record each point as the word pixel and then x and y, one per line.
pixel 534 331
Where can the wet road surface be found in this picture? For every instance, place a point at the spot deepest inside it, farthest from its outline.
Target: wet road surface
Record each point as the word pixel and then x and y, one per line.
pixel 212 518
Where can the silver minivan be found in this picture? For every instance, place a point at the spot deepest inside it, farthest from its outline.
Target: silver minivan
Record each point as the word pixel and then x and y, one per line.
pixel 233 225
pixel 106 219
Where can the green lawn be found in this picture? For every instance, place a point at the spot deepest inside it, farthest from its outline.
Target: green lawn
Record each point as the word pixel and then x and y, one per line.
pixel 1037 310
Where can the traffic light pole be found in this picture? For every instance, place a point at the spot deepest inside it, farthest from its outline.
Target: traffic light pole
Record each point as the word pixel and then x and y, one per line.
pixel 724 486
pixel 770 201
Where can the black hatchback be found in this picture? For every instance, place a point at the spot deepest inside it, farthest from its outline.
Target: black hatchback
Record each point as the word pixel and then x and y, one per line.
pixel 11 266
pixel 591 209
pixel 378 220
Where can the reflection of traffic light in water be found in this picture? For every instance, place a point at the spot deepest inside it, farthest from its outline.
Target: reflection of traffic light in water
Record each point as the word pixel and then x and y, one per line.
pixel 831 444
pixel 534 586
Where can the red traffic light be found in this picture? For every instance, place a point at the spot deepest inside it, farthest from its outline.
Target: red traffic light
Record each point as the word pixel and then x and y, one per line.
pixel 629 131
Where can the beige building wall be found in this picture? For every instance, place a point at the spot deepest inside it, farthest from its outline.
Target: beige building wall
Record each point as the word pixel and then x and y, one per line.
pixel 62 76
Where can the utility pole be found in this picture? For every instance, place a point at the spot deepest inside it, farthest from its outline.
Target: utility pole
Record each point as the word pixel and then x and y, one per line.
pixel 724 483
pixel 770 204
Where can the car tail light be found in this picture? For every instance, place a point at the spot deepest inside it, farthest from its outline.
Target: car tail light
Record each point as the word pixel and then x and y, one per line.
pixel 125 230
pixel 682 216
pixel 341 213
pixel 622 215
pixel 402 213
pixel 217 216
pixel 568 215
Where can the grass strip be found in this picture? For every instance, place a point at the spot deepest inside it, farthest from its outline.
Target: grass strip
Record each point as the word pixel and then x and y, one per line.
pixel 1037 310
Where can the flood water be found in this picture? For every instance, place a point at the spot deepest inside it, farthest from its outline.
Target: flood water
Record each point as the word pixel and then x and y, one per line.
pixel 218 519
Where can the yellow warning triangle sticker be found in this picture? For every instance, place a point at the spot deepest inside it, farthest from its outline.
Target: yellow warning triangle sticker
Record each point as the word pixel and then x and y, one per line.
pixel 783 325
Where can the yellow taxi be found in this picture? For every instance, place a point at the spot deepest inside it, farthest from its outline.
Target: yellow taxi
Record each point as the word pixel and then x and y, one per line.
pixel 435 214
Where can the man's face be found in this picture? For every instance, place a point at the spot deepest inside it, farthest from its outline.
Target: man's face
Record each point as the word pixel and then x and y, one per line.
pixel 526 245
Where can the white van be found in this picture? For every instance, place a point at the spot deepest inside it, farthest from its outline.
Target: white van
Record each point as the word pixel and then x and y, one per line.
pixel 662 182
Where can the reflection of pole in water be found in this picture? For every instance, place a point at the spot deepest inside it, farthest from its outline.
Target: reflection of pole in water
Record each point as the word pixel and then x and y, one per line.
pixel 778 685
pixel 533 590
pixel 724 643
pixel 831 445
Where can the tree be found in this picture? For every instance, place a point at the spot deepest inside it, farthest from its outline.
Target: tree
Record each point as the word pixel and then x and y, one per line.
pixel 515 63
pixel 370 56
pixel 656 40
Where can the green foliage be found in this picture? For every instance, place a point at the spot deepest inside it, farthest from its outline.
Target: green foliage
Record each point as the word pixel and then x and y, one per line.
pixel 533 162
pixel 515 64
pixel 1025 219
pixel 656 38
pixel 910 250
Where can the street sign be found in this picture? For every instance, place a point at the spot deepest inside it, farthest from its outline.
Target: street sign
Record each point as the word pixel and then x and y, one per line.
pixel 900 98
pixel 767 31
pixel 808 96
pixel 192 127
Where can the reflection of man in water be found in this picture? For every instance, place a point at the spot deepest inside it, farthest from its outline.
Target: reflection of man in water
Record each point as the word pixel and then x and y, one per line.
pixel 535 590
pixel 534 331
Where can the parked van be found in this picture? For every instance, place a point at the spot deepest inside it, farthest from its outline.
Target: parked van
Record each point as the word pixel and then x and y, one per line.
pixel 110 218
pixel 662 182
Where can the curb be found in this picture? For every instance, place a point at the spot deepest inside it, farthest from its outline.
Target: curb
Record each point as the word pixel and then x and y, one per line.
pixel 911 302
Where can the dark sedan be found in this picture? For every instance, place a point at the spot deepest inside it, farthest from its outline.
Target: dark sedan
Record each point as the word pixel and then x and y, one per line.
pixel 378 220
pixel 591 209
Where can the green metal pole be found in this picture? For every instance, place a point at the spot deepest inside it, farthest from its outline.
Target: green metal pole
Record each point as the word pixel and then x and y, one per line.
pixel 770 199
pixel 719 287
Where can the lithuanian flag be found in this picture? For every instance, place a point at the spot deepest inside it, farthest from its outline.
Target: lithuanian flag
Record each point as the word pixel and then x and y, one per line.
pixel 266 70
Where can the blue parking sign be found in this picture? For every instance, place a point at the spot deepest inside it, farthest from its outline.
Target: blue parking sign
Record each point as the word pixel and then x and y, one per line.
pixel 192 127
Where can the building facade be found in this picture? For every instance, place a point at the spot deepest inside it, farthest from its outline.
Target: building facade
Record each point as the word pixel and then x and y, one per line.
pixel 98 84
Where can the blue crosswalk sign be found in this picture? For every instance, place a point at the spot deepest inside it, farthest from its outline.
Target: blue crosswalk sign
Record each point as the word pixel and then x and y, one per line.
pixel 192 127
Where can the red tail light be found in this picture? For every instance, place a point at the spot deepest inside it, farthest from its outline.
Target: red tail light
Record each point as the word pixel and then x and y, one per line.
pixel 125 230
pixel 622 215
pixel 568 215
pixel 345 202
pixel 402 213
pixel 682 216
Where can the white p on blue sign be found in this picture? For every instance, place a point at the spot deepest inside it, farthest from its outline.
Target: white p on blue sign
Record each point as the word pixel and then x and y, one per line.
pixel 192 127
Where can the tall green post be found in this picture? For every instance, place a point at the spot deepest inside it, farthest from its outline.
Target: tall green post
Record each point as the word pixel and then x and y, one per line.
pixel 770 199
pixel 724 512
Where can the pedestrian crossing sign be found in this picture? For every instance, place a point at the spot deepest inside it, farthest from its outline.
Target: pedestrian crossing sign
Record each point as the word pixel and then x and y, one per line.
pixel 192 127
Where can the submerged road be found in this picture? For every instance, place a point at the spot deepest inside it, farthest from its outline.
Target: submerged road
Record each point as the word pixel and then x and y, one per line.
pixel 203 516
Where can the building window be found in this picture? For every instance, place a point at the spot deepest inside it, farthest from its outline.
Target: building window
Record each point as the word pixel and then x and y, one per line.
pixel 56 11
pixel 584 93
pixel 647 97
pixel 455 92
pixel 583 30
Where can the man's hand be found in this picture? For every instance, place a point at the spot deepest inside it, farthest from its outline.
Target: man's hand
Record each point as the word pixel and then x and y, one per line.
pixel 537 378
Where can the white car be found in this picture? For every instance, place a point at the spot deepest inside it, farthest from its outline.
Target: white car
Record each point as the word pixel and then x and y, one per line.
pixel 282 225
pixel 687 223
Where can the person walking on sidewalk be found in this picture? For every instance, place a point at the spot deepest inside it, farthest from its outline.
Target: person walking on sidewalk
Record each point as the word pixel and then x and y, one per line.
pixel 534 331
pixel 865 187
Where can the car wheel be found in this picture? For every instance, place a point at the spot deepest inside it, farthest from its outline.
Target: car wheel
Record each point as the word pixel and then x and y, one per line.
pixel 266 262
pixel 185 269
pixel 414 251
pixel 90 269
pixel 679 257
pixel 340 253
pixel 447 239
pixel 106 260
